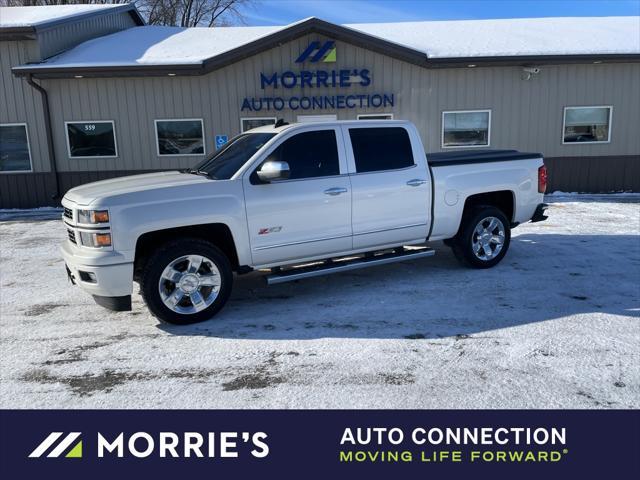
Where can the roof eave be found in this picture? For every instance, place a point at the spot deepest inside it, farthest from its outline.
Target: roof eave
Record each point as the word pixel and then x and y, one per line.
pixel 524 60
pixel 108 71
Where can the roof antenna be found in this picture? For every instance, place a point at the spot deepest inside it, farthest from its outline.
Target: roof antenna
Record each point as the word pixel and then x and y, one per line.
pixel 280 123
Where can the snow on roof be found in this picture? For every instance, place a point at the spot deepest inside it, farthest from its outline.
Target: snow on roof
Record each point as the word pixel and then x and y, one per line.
pixel 513 37
pixel 11 17
pixel 154 45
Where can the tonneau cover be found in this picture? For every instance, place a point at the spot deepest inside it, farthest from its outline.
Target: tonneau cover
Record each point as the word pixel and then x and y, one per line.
pixel 440 159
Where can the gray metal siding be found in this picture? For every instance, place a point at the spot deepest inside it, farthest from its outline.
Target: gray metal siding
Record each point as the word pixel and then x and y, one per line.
pixel 57 39
pixel 526 115
pixel 594 174
pixel 27 190
pixel 19 103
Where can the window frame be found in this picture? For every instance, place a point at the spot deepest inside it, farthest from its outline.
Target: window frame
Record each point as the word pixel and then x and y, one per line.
pixel 115 139
pixel 26 131
pixel 579 107
pixel 242 119
pixel 480 110
pixel 290 137
pixel 365 116
pixel 204 142
pixel 270 149
pixel 349 145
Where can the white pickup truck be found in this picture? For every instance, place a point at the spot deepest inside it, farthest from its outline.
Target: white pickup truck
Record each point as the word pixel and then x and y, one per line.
pixel 298 201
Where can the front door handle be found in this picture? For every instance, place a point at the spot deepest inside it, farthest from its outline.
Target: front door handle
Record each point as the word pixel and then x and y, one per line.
pixel 335 191
pixel 416 182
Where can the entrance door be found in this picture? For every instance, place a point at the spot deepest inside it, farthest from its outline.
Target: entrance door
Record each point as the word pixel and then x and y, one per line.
pixel 316 118
pixel 391 187
pixel 308 215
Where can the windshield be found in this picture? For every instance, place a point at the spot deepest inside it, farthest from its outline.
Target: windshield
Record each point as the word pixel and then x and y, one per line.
pixel 223 164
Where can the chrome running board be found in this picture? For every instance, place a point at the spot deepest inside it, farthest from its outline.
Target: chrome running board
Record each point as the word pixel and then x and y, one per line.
pixel 349 263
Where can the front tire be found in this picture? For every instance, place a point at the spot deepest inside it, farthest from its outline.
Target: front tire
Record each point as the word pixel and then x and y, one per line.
pixel 483 239
pixel 186 281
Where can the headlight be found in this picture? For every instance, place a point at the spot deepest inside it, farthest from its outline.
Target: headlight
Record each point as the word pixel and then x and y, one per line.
pixel 90 239
pixel 93 216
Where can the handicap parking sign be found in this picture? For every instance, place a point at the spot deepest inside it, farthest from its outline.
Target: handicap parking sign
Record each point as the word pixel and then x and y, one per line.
pixel 220 141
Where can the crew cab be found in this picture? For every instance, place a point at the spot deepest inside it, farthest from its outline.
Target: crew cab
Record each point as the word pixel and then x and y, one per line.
pixel 296 201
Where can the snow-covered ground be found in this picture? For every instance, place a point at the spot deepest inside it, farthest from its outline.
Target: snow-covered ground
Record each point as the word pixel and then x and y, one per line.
pixel 556 325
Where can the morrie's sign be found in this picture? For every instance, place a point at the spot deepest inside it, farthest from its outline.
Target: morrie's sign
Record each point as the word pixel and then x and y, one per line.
pixel 317 78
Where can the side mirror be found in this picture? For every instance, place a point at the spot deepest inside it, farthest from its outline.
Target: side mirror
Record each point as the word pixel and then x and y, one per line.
pixel 272 170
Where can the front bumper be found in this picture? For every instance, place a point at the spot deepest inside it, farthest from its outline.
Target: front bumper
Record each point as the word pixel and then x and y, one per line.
pixel 106 280
pixel 539 214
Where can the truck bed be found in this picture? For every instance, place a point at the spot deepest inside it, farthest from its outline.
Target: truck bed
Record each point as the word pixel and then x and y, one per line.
pixel 440 159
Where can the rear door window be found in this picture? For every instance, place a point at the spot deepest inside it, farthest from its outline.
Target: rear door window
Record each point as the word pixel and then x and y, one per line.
pixel 377 149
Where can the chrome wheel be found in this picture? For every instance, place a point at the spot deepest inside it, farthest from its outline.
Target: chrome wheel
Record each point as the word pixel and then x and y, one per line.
pixel 189 284
pixel 488 238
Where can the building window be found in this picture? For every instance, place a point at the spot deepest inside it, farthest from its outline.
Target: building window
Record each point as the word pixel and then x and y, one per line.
pixel 466 128
pixel 375 116
pixel 317 118
pixel 15 155
pixel 587 125
pixel 91 139
pixel 180 137
pixel 255 122
pixel 377 149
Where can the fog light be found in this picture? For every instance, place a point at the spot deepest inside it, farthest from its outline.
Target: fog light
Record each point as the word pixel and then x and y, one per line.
pixel 88 277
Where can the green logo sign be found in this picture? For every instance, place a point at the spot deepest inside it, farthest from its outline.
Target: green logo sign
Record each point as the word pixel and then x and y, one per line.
pixel 61 446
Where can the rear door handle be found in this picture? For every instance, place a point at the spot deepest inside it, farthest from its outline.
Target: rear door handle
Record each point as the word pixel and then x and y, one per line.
pixel 416 182
pixel 335 191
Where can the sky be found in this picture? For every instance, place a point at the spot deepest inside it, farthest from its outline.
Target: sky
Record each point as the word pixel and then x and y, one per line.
pixel 282 12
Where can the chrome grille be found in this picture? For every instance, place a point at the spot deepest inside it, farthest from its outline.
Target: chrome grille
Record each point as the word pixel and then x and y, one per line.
pixel 68 213
pixel 72 235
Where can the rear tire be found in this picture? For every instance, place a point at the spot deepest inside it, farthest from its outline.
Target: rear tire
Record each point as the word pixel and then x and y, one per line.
pixel 484 237
pixel 186 281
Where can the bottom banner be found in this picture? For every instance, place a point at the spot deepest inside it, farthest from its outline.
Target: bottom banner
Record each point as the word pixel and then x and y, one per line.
pixel 316 443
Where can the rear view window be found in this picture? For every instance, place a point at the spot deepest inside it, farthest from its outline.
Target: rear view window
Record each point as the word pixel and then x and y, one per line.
pixel 378 149
pixel 310 154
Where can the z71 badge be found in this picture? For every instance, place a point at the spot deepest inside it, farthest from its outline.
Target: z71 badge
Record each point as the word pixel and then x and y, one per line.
pixel 265 231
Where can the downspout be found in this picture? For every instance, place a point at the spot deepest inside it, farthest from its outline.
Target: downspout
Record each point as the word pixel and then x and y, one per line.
pixel 49 133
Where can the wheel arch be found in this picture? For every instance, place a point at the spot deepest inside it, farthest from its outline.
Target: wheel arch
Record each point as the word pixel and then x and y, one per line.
pixel 504 200
pixel 218 234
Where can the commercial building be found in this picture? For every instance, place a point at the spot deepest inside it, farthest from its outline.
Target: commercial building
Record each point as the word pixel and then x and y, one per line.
pixel 93 93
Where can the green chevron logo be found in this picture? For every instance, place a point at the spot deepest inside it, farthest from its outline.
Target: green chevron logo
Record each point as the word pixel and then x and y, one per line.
pixel 317 52
pixel 61 446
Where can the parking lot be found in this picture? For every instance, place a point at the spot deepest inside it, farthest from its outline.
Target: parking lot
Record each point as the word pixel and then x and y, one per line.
pixel 555 325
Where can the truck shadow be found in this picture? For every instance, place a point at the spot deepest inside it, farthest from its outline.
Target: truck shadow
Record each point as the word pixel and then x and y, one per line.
pixel 543 278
